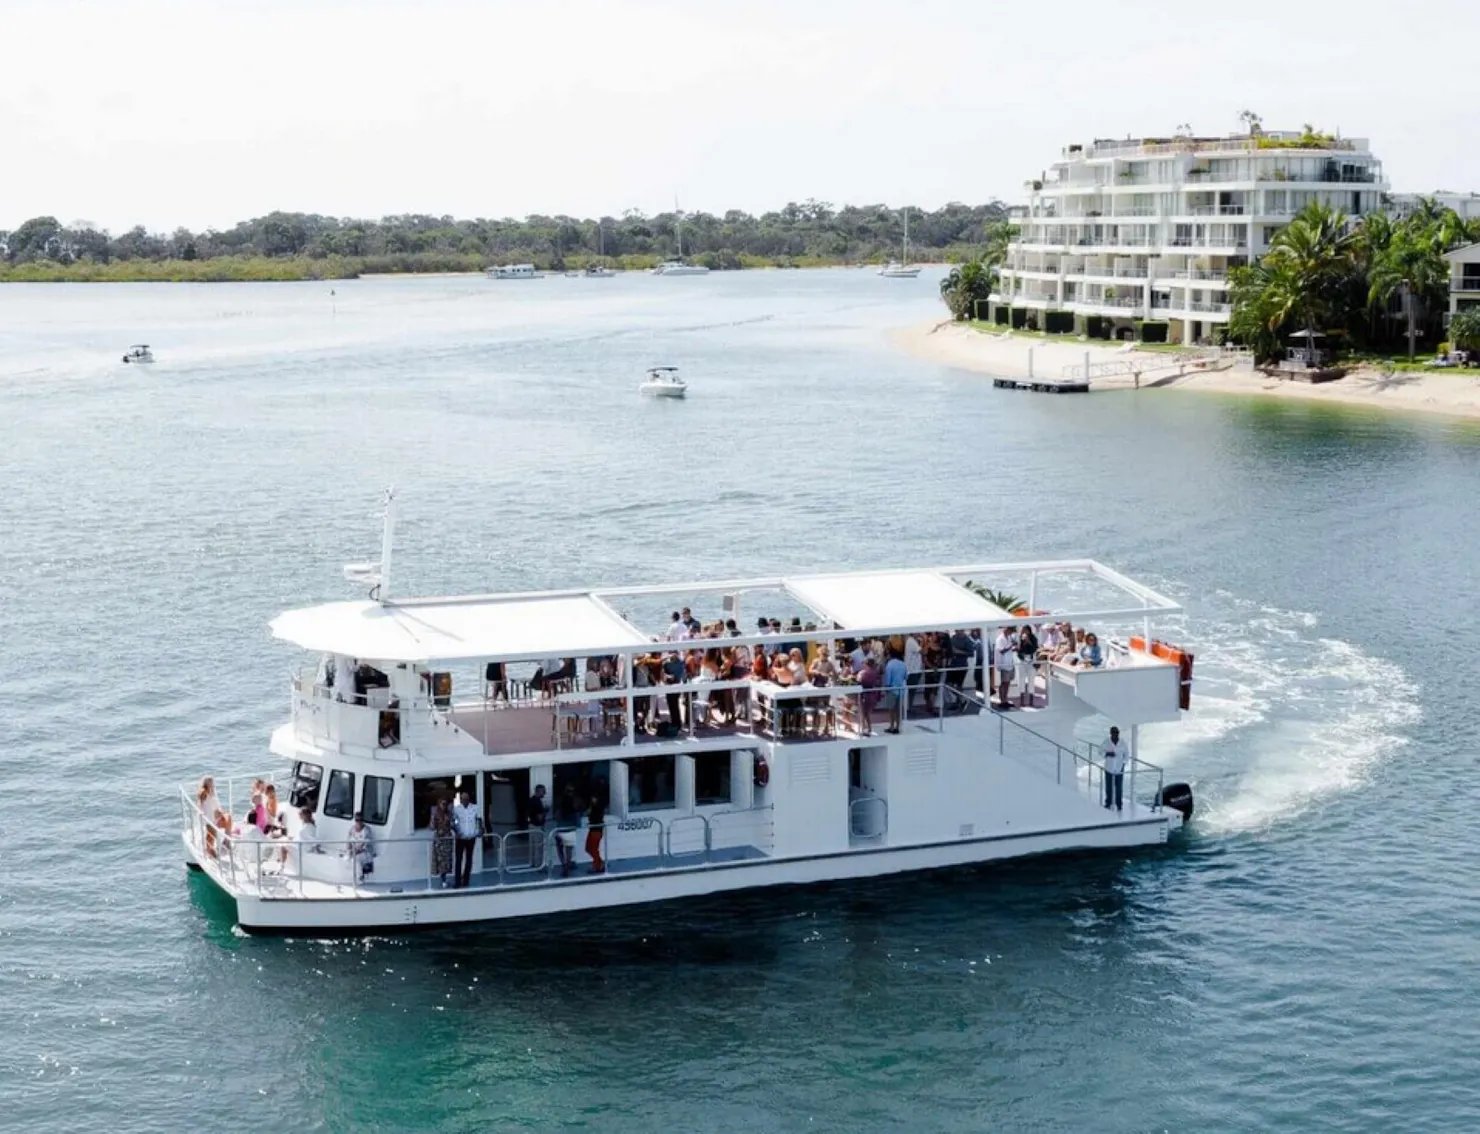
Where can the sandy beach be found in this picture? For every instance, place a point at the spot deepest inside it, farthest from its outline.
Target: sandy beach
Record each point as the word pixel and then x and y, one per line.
pixel 1450 392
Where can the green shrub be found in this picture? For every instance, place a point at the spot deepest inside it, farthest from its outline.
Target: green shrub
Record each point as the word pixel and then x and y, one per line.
pixel 1058 322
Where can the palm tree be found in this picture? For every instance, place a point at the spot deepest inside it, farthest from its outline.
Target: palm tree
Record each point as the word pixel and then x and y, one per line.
pixel 1412 268
pixel 966 285
pixel 1000 599
pixel 1254 321
pixel 1305 262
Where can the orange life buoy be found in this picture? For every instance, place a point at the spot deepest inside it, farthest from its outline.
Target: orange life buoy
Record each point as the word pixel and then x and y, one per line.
pixel 762 772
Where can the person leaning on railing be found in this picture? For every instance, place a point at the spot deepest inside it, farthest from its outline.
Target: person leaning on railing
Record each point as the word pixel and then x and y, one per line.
pixel 359 844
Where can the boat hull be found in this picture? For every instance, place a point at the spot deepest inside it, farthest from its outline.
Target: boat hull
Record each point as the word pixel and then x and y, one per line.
pixel 361 913
pixel 663 391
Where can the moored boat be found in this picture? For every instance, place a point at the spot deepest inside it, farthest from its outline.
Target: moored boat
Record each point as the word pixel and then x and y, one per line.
pixel 902 269
pixel 594 767
pixel 139 352
pixel 514 272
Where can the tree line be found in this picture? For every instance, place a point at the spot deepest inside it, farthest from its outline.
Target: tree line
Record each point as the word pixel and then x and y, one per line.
pixel 1379 284
pixel 812 232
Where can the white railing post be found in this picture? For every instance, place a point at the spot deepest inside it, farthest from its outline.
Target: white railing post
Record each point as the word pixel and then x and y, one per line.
pixel 1135 749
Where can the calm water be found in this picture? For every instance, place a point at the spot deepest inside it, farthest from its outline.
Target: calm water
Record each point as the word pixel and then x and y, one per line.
pixel 1307 958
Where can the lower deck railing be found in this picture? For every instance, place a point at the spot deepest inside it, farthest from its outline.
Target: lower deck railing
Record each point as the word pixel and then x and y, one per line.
pixel 292 868
pixel 1080 766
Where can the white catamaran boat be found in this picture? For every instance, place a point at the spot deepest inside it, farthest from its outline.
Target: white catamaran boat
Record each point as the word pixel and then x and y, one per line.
pixel 663 382
pixel 902 269
pixel 640 783
pixel 514 272
pixel 139 352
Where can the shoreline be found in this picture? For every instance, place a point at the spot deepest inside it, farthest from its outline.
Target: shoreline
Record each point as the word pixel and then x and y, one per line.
pixel 223 273
pixel 1435 393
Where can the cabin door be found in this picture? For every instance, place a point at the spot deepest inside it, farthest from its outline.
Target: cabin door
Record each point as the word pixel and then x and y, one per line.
pixel 868 784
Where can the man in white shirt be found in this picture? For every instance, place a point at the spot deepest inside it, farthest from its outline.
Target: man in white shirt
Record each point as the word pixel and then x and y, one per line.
pixel 1004 657
pixel 1114 757
pixel 678 629
pixel 464 838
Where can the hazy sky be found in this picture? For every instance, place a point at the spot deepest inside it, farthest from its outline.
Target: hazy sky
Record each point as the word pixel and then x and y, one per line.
pixel 204 113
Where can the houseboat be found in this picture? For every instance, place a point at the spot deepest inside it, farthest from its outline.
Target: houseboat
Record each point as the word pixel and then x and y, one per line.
pixel 596 756
pixel 514 272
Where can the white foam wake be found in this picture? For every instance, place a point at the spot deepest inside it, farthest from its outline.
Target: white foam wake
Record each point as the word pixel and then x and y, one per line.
pixel 1281 718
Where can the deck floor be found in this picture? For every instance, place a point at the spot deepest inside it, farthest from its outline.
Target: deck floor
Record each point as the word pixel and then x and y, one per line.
pixel 494 879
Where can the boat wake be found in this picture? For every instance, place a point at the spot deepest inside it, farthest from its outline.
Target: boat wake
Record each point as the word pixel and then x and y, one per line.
pixel 1282 719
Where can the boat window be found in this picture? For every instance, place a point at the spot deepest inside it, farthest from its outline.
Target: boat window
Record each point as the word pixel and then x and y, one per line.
pixel 425 793
pixel 711 777
pixel 376 801
pixel 649 782
pixel 339 800
pixel 305 789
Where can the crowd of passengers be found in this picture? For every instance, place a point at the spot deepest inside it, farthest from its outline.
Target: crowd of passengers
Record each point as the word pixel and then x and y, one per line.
pixel 265 822
pixel 905 670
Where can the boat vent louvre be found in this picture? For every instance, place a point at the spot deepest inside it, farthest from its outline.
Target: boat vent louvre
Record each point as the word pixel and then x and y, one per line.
pixel 810 768
pixel 919 760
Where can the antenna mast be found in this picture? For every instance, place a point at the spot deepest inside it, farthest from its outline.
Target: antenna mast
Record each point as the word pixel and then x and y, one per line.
pixel 387 536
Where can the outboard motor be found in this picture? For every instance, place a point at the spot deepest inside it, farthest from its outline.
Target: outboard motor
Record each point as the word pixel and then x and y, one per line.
pixel 1179 798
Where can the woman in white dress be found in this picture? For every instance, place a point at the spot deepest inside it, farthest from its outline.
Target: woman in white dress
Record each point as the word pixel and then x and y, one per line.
pixel 360 846
pixel 210 811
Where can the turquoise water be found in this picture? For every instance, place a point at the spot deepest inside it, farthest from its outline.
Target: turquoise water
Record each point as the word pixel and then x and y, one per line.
pixel 1305 958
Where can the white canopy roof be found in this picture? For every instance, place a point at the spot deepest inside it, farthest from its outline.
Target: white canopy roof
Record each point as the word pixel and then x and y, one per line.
pixel 894 599
pixel 566 624
pixel 447 630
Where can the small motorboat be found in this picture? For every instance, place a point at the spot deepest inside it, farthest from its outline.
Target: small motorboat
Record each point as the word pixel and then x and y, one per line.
pixel 598 272
pixel 663 382
pixel 139 352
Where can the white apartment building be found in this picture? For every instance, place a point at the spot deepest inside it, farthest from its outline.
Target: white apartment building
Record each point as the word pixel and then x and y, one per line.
pixel 1464 279
pixel 1146 230
pixel 1467 205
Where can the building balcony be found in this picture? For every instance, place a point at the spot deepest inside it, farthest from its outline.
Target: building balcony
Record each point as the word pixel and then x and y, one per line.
pixel 1208 242
pixel 1205 276
pixel 1102 273
pixel 1465 283
pixel 1325 177
pixel 1122 308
